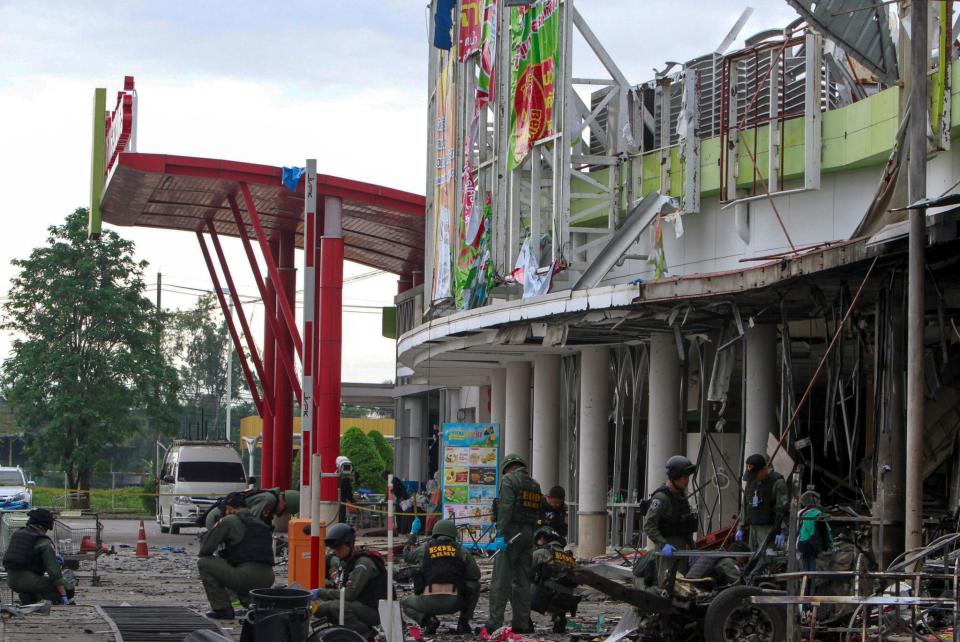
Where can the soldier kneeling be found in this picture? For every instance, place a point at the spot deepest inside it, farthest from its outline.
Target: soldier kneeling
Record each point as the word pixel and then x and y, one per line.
pixel 553 594
pixel 448 580
pixel 33 566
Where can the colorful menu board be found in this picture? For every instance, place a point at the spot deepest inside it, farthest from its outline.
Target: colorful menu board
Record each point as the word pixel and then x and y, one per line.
pixel 470 476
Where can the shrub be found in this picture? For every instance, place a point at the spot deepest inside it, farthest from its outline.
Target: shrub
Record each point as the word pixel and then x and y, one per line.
pixel 383 447
pixel 367 462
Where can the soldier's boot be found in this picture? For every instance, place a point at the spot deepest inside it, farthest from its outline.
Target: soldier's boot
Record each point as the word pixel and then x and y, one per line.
pixel 559 622
pixel 463 627
pixel 524 628
pixel 430 625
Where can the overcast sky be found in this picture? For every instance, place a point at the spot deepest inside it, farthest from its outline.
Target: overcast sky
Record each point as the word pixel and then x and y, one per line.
pixel 343 81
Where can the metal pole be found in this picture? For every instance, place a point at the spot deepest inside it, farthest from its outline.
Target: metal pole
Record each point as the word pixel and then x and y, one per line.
pixel 916 188
pixel 309 336
pixel 388 626
pixel 315 580
pixel 229 375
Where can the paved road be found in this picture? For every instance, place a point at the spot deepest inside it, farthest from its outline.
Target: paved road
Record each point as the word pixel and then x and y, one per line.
pixel 124 531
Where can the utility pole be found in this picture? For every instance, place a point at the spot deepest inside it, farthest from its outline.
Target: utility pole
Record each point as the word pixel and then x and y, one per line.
pixel 156 391
pixel 917 190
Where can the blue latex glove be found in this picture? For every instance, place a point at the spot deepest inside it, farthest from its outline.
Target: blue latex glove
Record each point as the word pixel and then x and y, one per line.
pixel 64 599
pixel 667 550
pixel 738 536
pixel 60 560
pixel 500 544
pixel 416 526
pixel 779 540
pixel 315 594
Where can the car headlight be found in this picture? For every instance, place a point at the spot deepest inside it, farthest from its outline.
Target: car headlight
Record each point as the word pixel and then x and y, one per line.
pixel 182 500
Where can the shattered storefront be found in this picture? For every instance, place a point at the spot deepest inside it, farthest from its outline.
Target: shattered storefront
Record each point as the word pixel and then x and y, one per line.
pixel 706 263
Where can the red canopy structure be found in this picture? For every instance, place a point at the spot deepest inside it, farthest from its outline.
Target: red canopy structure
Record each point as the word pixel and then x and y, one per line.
pixel 330 218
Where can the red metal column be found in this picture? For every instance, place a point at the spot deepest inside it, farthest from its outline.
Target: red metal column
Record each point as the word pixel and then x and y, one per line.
pixel 269 386
pixel 283 415
pixel 330 294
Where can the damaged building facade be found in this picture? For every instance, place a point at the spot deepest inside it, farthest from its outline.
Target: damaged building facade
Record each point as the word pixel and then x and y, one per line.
pixel 707 263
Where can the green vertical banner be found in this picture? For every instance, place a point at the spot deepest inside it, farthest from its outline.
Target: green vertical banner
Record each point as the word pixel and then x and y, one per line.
pixel 534 42
pixel 97 161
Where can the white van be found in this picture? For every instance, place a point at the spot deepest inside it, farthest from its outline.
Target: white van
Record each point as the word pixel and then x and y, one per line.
pixel 193 476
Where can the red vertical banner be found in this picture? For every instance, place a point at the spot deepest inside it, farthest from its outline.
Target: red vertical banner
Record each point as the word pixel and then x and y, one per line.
pixel 471 25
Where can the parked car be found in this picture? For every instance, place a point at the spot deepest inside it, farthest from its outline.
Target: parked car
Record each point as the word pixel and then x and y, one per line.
pixel 193 476
pixel 16 493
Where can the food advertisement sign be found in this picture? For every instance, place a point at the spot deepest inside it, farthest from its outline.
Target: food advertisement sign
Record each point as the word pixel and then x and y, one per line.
pixel 470 465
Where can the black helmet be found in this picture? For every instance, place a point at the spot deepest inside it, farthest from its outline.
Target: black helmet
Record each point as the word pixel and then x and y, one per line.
pixel 339 534
pixel 678 466
pixel 40 517
pixel 550 534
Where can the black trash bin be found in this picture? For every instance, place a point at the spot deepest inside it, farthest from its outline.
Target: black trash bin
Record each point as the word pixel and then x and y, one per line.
pixel 280 614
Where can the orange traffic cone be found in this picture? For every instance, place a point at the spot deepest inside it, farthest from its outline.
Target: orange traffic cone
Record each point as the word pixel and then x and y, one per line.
pixel 142 553
pixel 87 545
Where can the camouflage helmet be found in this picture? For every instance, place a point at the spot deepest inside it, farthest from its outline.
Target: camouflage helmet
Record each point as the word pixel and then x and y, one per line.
pixel 444 528
pixel 511 460
pixel 339 534
pixel 292 499
pixel 550 534
pixel 679 466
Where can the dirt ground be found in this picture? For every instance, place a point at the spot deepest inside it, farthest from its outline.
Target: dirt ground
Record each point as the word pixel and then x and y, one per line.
pixel 170 577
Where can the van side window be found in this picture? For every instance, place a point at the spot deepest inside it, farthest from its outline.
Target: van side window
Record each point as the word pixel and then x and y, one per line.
pixel 167 469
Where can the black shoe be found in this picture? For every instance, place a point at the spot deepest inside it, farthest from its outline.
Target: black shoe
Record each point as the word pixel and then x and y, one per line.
pixel 430 625
pixel 221 614
pixel 464 628
pixel 527 628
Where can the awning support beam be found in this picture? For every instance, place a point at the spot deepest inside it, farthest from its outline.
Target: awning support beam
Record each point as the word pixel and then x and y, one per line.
pixel 230 326
pixel 271 319
pixel 286 306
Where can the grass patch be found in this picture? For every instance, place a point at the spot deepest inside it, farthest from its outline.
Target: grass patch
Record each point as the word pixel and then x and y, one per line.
pixel 121 500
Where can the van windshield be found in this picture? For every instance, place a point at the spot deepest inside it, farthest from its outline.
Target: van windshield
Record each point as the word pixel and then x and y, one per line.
pixel 211 471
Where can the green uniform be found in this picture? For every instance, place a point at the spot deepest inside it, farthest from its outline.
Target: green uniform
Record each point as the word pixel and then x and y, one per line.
pixel 765 502
pixel 38 573
pixel 518 512
pixel 669 520
pixel 262 504
pixel 230 571
pixel 551 594
pixel 428 603
pixel 364 581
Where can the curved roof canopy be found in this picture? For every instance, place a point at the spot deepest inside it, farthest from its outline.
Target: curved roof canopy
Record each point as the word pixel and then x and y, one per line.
pixel 382 227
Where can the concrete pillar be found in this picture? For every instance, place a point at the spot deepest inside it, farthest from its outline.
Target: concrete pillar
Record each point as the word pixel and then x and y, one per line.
pixel 517 434
pixel 483 404
pixel 414 445
pixel 761 368
pixel 594 442
pixel 663 419
pixel 498 397
pixel 546 419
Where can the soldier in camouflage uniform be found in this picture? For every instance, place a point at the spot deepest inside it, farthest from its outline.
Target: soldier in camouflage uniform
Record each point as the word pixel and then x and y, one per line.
pixel 33 566
pixel 553 594
pixel 669 522
pixel 244 562
pixel 448 580
pixel 766 500
pixel 517 514
pixel 362 573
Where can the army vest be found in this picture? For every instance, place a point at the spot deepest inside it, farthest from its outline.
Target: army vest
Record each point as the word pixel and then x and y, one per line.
pixel 256 545
pixel 679 520
pixel 22 553
pixel 443 563
pixel 761 500
pixel 376 587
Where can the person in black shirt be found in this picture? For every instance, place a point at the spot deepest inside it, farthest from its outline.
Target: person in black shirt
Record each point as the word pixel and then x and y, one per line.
pixel 554 510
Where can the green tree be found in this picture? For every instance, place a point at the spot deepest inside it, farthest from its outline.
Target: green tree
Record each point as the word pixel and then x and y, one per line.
pixel 367 462
pixel 383 447
pixel 197 340
pixel 85 365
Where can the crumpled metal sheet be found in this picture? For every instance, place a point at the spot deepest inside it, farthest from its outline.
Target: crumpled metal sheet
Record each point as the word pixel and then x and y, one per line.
pixel 861 27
